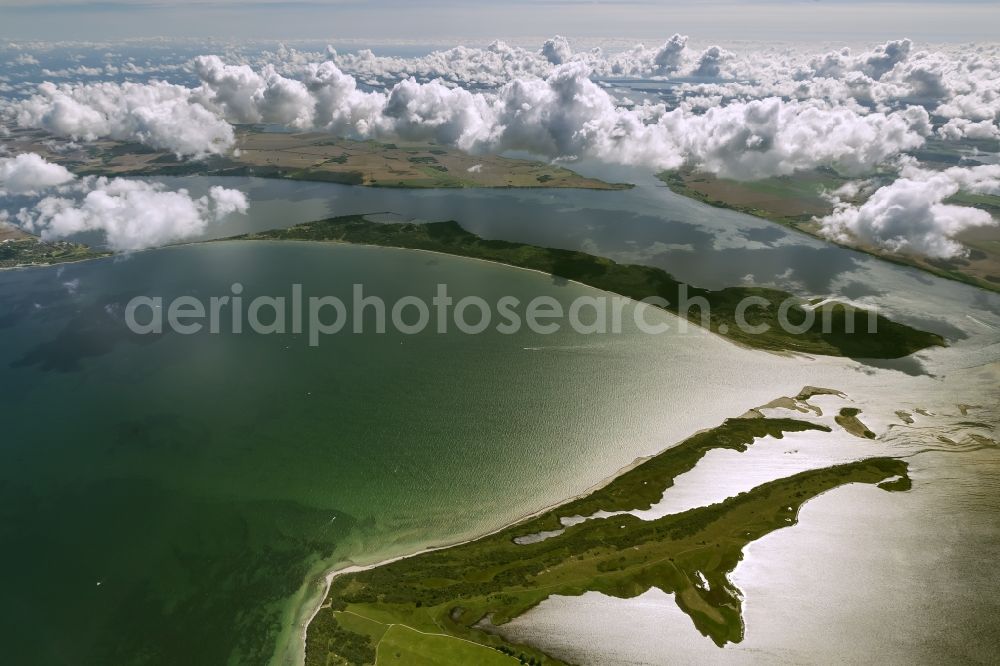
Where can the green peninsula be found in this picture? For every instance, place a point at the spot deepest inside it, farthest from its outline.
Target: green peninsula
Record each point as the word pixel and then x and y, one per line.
pixel 18 248
pixel 830 332
pixel 459 597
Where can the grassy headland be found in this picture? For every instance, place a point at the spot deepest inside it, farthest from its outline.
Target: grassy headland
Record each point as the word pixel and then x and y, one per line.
pixel 891 339
pixel 459 595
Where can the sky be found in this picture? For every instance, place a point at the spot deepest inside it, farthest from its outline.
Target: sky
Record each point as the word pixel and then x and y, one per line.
pixel 442 21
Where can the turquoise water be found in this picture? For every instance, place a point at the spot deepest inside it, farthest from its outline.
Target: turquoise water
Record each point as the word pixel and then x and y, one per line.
pixel 164 497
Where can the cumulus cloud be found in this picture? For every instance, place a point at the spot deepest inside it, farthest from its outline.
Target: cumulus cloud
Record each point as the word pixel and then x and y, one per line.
pixel 741 115
pixel 157 114
pixel 499 62
pixel 132 214
pixel 960 128
pixel 28 174
pixel 881 61
pixel 710 62
pixel 244 96
pixel 909 215
pixel 874 63
pixel 491 66
pixel 957 81
pixel 568 115
pixel 670 56
pixel 556 50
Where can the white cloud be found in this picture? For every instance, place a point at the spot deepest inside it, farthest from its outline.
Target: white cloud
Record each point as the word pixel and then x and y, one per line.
pixel 670 56
pixel 765 111
pixel 132 214
pixel 960 128
pixel 556 50
pixel 568 115
pixel 710 62
pixel 157 114
pixel 882 59
pixel 909 216
pixel 28 173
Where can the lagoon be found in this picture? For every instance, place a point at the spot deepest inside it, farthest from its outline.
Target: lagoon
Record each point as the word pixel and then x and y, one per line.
pixel 165 499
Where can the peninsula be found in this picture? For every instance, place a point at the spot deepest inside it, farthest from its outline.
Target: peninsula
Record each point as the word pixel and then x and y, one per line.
pixel 19 248
pixel 830 332
pixel 451 603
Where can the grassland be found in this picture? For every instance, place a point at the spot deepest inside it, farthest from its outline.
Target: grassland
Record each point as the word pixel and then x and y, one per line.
pixel 794 201
pixel 318 156
pixel 828 334
pixel 18 248
pixel 448 599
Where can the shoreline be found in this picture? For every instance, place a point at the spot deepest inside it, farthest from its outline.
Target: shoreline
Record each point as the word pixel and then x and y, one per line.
pixel 787 353
pixel 330 574
pixel 777 352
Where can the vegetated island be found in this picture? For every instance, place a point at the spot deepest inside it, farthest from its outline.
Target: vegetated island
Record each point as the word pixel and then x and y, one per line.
pixel 312 156
pixel 19 248
pixel 794 201
pixel 890 339
pixel 849 421
pixel 448 606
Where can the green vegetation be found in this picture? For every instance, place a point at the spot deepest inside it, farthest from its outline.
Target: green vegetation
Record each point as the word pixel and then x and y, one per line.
pixel 830 332
pixel 408 647
pixel 30 251
pixel 464 593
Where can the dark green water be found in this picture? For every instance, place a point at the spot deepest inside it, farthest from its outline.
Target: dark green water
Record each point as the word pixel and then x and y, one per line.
pixel 163 498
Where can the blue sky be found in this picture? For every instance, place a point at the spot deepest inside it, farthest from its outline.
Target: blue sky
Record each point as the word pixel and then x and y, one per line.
pixel 450 20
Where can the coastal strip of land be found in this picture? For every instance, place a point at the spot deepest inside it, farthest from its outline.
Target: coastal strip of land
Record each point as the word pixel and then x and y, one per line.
pixel 451 603
pixel 830 333
pixel 313 156
pixel 19 248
